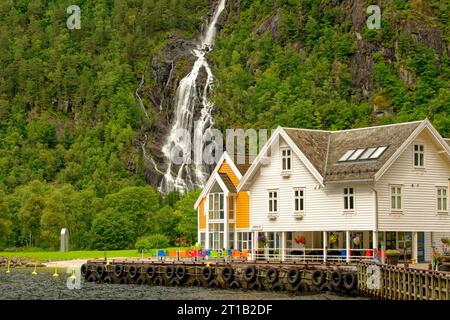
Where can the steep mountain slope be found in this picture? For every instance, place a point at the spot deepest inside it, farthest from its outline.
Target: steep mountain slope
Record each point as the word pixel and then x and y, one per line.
pixel 315 64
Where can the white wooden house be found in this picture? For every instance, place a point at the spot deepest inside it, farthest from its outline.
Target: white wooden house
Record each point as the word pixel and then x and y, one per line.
pixel 340 194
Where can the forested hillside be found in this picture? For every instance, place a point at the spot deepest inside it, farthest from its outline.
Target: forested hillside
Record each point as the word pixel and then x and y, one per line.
pixel 315 64
pixel 72 133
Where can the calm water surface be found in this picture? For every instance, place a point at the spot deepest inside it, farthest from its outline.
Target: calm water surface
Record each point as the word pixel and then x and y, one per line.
pixel 20 284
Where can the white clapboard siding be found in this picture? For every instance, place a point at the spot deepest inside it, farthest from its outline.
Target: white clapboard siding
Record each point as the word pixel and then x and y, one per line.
pixel 419 191
pixel 323 207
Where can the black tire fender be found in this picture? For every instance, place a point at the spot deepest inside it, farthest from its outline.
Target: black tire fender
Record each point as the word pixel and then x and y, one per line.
pixel 107 280
pixel 196 283
pixel 227 274
pixel 272 275
pixel 235 284
pixel 175 282
pixel 302 287
pixel 132 271
pixel 207 273
pixel 181 273
pixel 250 273
pixel 141 281
pixel 336 279
pixel 326 287
pixel 84 270
pixel 158 281
pixel 100 269
pixel 293 276
pixel 150 272
pixel 318 278
pixel 349 280
pixel 91 278
pixel 278 286
pixel 257 286
pixel 214 284
pixel 169 272
pixel 118 270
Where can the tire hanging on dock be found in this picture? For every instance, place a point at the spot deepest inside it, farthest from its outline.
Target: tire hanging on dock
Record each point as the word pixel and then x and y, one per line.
pixel 175 282
pixel 207 273
pixel 235 285
pixel 272 275
pixel 107 280
pixel 336 279
pixel 250 273
pixel 118 270
pixel 278 286
pixel 302 287
pixel 100 271
pixel 84 270
pixel 196 283
pixel 181 273
pixel 132 271
pixel 318 278
pixel 141 281
pixel 169 272
pixel 349 280
pixel 257 286
pixel 91 278
pixel 326 287
pixel 293 276
pixel 158 281
pixel 227 274
pixel 150 272
pixel 214 284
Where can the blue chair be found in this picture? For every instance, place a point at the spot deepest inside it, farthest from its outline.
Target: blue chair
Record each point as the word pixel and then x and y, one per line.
pixel 161 253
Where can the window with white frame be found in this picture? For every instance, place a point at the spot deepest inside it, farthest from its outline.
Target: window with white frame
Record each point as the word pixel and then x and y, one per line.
pixel 349 199
pixel 286 159
pixel 442 199
pixel 396 198
pixel 244 240
pixel 231 233
pixel 203 239
pixel 273 201
pixel 216 236
pixel 299 200
pixel 419 155
pixel 216 206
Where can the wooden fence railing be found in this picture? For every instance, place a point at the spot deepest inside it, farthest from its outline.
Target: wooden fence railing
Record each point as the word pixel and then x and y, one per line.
pixel 397 283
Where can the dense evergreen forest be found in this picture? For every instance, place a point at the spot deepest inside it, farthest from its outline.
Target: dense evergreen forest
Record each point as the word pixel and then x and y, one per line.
pixel 71 128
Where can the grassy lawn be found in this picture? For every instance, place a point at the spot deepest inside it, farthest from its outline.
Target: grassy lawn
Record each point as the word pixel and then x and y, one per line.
pixel 48 255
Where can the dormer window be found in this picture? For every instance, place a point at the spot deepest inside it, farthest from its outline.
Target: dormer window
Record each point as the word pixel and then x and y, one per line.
pixel 419 155
pixel 286 160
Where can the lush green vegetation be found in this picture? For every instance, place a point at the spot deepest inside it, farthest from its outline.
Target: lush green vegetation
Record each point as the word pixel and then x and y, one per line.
pixel 69 121
pixel 71 129
pixel 301 64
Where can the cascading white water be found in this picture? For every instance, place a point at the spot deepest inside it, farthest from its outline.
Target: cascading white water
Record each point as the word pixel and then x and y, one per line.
pixel 188 175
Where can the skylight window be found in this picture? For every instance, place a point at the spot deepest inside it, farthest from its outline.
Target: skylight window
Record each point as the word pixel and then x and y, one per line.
pixel 346 155
pixel 367 154
pixel 378 152
pixel 356 154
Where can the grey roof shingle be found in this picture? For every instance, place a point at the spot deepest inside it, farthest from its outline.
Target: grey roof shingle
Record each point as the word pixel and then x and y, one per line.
pixel 325 148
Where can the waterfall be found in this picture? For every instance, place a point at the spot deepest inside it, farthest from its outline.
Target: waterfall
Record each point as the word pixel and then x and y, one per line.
pixel 190 174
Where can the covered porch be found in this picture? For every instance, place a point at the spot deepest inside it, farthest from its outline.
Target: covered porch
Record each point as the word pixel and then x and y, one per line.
pixel 319 246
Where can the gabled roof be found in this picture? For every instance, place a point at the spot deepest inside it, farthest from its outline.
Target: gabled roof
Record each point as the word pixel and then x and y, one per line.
pixel 221 178
pixel 323 149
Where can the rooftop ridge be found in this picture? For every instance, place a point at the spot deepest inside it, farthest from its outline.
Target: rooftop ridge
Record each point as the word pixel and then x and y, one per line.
pixel 355 129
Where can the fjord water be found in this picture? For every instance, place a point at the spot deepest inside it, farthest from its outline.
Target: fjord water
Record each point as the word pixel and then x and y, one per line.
pixel 188 99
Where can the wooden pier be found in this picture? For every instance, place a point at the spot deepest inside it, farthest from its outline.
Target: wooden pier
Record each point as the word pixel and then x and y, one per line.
pixel 300 278
pixel 398 283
